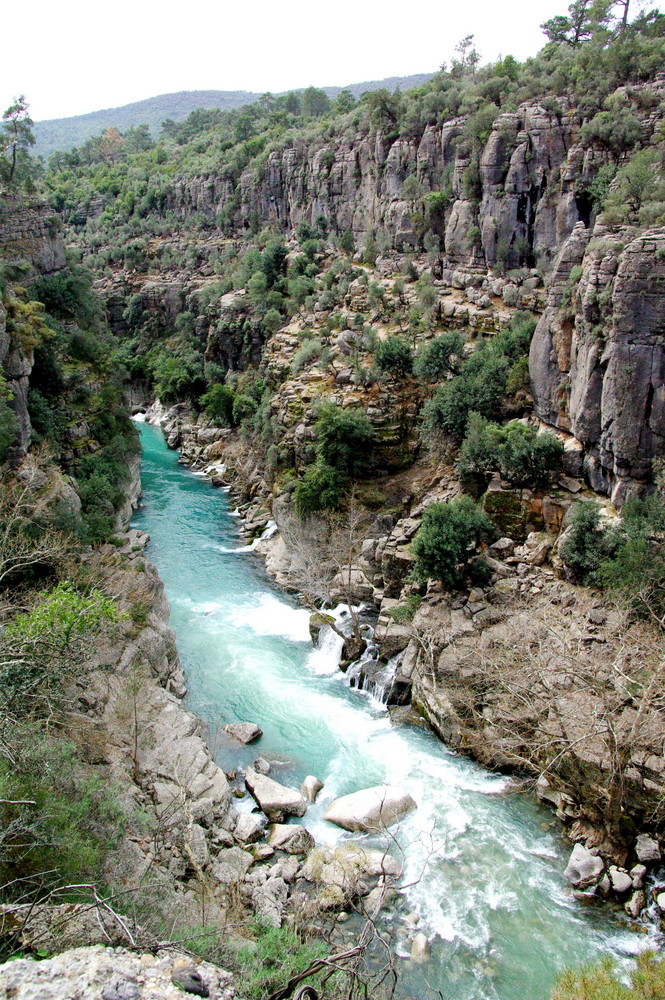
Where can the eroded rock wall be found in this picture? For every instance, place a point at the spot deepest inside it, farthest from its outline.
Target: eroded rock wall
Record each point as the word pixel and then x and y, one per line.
pixel 597 364
pixel 524 204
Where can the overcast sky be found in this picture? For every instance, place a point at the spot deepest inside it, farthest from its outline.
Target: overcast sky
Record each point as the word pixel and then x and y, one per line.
pixel 75 56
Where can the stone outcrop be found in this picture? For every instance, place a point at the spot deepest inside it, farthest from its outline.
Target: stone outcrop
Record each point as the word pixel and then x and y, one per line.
pixel 114 974
pixel 597 360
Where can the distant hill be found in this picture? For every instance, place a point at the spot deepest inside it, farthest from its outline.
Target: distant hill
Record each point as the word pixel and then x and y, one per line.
pixel 64 133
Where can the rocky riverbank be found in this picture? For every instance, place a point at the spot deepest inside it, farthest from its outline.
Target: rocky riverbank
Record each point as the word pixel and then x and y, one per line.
pixel 504 703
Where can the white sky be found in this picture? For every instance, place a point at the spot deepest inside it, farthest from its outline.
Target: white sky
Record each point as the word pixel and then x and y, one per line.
pixel 74 56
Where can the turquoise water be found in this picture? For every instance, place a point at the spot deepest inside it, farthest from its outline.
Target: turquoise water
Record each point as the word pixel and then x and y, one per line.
pixel 486 861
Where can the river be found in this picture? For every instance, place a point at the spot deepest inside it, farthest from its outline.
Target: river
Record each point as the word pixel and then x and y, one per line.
pixel 485 860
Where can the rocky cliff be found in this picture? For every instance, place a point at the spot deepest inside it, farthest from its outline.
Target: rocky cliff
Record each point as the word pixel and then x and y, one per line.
pixel 597 365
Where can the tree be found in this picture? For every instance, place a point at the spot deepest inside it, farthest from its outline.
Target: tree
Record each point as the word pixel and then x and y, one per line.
pixel 394 355
pixel 344 438
pixel 435 360
pixel 319 489
pixel 16 136
pixel 445 541
pixel 581 548
pixel 584 18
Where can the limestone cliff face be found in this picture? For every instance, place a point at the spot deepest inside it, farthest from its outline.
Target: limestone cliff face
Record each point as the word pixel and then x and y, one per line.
pixel 597 363
pixel 30 234
pixel 525 203
pixel 525 200
pixel 30 231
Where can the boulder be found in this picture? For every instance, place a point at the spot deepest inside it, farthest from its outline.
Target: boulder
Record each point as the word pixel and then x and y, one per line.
pixel 370 809
pixel 621 881
pixel 420 949
pixel 583 867
pixel 196 845
pixel 276 801
pixel 268 901
pixel 231 865
pixel 244 732
pixel 292 838
pixel 646 849
pixel 249 828
pixel 636 904
pixel 341 871
pixel 310 788
pixel 107 973
pixel 535 548
pixel 351 584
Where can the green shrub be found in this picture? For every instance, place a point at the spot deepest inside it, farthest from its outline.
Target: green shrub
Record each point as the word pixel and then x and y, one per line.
pixel 178 375
pixel 481 382
pixel 218 404
pixel 480 387
pixel 395 356
pixel 277 956
pixel 633 563
pixel 243 407
pixel 518 452
pixel 406 612
pixel 310 351
pixel 445 541
pixel 344 438
pixel 437 359
pixel 321 488
pixel 582 548
pixel 62 838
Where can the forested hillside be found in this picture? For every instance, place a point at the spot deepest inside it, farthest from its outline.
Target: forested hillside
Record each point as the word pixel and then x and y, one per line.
pixel 64 133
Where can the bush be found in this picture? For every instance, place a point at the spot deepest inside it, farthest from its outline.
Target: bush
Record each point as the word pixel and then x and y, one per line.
pixel 434 361
pixel 634 559
pixel 243 407
pixel 344 438
pixel 582 547
pixel 320 489
pixel 310 351
pixel 218 404
pixel 394 356
pixel 482 381
pixel 479 387
pixel 526 457
pixel 277 956
pixel 447 536
pixel 523 456
pixel 178 375
pixel 64 837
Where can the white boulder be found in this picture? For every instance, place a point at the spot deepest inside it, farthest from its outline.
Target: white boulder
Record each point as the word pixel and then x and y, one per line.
pixel 370 809
pixel 276 801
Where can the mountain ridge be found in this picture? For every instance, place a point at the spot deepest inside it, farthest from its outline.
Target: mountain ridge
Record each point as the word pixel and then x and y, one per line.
pixel 60 134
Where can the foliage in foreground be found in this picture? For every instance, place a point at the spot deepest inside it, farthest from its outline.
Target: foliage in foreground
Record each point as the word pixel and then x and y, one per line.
pixel 57 824
pixel 280 953
pixel 602 982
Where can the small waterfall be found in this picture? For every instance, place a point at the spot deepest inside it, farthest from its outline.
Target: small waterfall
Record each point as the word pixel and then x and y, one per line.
pixel 267 532
pixel 327 653
pixel 373 678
